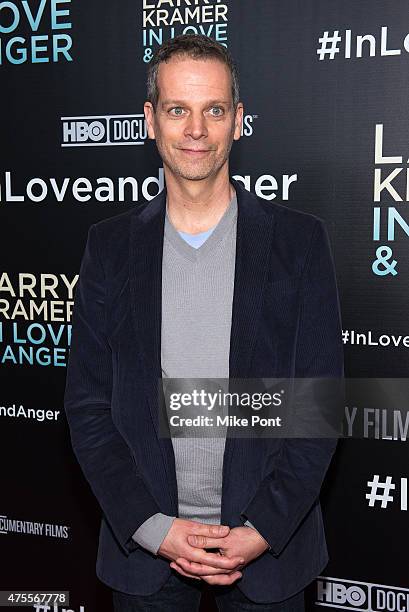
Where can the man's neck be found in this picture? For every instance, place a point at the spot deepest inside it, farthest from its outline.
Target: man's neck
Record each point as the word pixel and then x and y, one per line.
pixel 200 211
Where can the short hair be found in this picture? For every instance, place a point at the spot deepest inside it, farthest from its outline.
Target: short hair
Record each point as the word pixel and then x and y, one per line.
pixel 195 46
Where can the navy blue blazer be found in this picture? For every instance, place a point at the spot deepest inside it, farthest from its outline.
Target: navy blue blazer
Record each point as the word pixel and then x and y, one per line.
pixel 285 323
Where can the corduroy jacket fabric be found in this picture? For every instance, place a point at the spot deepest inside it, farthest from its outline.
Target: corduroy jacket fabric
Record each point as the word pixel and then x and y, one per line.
pixel 285 323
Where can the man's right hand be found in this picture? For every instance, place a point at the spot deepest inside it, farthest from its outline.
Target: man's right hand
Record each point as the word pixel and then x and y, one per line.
pixel 175 546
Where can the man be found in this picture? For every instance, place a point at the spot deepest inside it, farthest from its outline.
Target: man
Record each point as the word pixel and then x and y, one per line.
pixel 205 280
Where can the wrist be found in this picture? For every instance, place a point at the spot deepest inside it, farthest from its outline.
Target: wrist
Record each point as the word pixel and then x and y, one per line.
pixel 267 545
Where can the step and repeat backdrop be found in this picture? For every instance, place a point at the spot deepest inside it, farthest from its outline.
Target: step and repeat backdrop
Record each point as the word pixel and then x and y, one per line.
pixel 325 89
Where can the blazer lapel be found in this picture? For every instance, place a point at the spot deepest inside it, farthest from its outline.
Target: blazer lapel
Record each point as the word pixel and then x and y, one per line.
pixel 145 274
pixel 253 246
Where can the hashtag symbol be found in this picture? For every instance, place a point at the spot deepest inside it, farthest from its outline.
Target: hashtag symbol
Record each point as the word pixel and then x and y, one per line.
pixel 383 497
pixel 345 336
pixel 329 45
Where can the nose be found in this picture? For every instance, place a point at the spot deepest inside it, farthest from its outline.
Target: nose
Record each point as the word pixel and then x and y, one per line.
pixel 195 126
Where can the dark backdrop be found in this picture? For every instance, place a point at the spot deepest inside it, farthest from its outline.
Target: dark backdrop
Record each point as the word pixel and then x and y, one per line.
pixel 73 73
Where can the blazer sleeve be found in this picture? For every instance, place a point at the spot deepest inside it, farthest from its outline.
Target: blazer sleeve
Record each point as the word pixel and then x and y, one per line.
pixel 286 494
pixel 103 454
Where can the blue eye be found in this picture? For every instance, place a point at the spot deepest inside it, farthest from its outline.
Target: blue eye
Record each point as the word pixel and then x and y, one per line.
pixel 176 108
pixel 180 108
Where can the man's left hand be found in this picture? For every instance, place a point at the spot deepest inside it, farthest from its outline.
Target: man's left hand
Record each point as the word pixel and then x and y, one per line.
pixel 243 542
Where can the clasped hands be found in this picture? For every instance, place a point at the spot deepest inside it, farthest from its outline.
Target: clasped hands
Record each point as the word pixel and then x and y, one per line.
pixel 186 542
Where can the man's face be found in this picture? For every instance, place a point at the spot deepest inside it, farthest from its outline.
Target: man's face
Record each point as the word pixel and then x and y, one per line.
pixel 194 124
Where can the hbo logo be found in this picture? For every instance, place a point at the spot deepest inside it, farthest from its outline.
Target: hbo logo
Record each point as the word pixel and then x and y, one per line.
pixel 338 593
pixel 83 131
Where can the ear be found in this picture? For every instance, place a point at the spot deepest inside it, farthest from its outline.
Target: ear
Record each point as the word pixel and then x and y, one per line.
pixel 150 119
pixel 238 121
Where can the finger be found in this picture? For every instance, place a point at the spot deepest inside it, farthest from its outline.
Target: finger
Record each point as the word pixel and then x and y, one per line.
pixel 177 568
pixel 222 578
pixel 214 560
pixel 202 541
pixel 211 531
pixel 200 569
